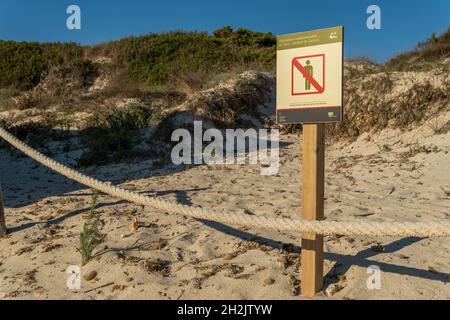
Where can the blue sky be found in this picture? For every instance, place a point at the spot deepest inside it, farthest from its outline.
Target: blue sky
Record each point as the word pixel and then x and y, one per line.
pixel 404 23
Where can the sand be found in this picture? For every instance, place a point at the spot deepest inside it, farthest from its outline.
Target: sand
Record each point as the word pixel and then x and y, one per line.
pixel 388 176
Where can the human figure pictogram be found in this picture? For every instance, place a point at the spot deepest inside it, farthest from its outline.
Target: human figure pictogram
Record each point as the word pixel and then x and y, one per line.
pixel 309 69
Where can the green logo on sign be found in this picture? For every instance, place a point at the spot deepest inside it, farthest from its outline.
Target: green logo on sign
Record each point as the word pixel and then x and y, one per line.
pixel 330 114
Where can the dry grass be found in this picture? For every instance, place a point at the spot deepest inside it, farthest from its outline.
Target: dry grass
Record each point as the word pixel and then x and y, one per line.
pixel 369 106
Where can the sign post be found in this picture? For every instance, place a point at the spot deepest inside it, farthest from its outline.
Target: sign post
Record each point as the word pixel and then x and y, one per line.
pixel 309 91
pixel 313 178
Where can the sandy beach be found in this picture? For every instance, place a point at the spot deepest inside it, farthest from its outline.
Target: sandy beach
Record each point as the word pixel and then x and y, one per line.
pixel 379 177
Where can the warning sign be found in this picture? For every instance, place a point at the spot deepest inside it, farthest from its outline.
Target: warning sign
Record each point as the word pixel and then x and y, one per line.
pixel 309 76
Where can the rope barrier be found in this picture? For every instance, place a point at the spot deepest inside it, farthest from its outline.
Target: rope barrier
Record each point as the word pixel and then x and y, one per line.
pixel 359 228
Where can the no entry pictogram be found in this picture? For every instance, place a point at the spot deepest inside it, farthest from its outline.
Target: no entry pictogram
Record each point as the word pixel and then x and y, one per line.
pixel 308 74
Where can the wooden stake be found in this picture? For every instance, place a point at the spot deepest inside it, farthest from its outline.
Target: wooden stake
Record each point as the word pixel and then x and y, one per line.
pixel 3 230
pixel 313 172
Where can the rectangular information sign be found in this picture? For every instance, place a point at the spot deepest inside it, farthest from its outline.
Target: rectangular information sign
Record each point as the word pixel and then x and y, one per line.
pixel 309 76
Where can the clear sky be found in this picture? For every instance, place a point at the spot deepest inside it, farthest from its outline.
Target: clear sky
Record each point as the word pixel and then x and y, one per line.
pixel 403 22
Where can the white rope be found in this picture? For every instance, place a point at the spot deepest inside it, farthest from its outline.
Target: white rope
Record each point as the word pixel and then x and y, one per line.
pixel 366 228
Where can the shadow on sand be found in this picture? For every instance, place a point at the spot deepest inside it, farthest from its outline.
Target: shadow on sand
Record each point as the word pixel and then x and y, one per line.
pixel 344 262
pixel 180 195
pixel 26 181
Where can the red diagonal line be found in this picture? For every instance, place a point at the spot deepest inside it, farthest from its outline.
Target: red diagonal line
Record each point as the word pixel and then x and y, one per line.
pixel 307 75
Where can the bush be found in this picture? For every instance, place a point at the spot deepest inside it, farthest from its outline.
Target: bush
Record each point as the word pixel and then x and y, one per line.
pixel 154 59
pixel 21 63
pixel 157 58
pixel 109 135
pixel 430 51
pixel 24 64
pixel 38 133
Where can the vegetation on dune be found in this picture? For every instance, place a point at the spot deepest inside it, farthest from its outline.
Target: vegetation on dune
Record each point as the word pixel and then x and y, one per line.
pixel 369 106
pixel 109 135
pixel 154 59
pixel 24 64
pixel 424 56
pixel 21 63
pixel 165 58
pixel 201 73
pixel 158 58
pixel 37 133
pixel 158 69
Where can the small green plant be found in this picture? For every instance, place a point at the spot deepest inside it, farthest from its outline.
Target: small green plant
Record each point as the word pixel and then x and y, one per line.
pixel 91 237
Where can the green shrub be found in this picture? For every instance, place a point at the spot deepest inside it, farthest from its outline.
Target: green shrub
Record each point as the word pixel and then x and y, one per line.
pixel 156 58
pixel 38 133
pixel 21 63
pixel 24 64
pixel 109 136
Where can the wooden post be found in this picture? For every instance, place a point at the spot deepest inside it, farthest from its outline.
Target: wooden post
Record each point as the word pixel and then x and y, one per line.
pixel 313 172
pixel 3 230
